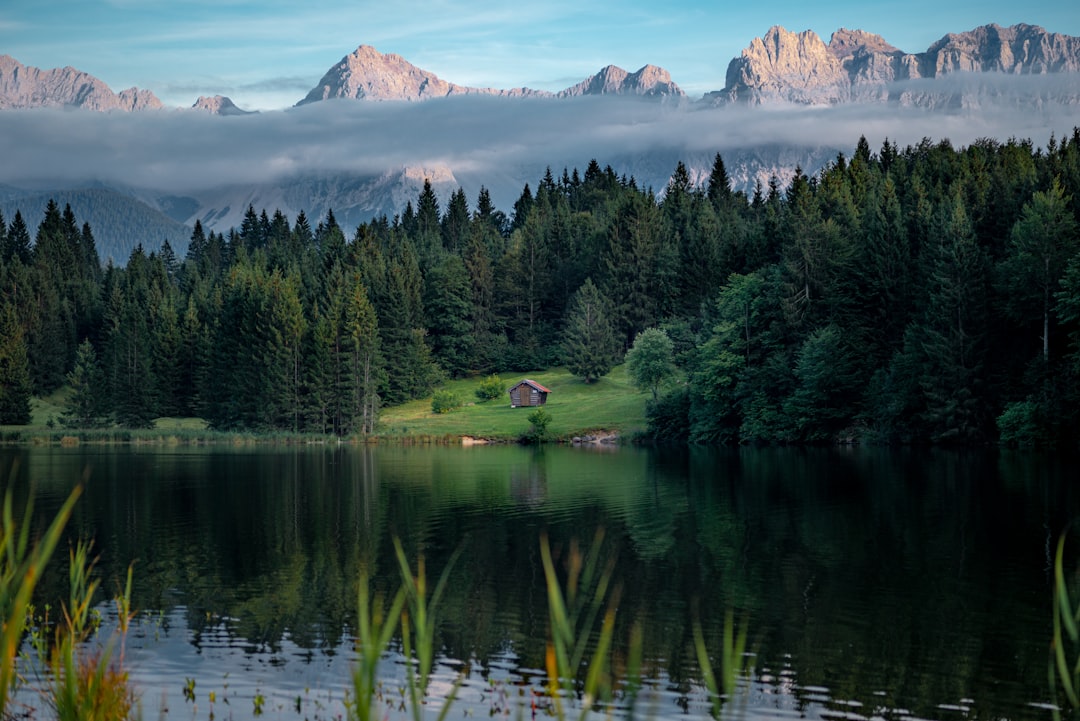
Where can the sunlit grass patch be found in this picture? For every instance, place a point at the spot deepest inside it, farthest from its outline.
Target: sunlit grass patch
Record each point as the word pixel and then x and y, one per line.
pixel 576 408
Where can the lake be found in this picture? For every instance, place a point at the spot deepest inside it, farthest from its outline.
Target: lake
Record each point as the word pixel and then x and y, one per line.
pixel 873 583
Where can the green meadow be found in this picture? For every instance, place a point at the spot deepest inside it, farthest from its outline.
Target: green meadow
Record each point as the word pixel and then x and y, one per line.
pixel 611 404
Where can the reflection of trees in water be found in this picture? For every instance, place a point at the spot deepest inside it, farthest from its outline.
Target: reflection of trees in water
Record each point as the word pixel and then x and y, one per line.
pixel 528 481
pixel 917 575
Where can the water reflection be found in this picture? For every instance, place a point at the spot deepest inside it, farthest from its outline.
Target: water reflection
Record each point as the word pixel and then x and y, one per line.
pixel 875 583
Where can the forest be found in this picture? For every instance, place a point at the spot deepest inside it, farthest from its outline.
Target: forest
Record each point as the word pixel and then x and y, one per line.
pixel 929 294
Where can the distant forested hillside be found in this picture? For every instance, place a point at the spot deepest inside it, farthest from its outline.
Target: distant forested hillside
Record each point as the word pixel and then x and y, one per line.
pixel 927 294
pixel 120 222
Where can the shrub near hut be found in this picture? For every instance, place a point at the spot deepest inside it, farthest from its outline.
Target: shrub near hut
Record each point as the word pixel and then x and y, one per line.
pixel 445 401
pixel 490 388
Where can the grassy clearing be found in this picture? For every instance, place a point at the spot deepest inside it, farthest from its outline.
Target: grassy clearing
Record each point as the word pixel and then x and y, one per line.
pixel 609 404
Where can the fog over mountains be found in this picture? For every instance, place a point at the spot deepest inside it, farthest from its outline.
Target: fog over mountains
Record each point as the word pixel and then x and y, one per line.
pixel 789 100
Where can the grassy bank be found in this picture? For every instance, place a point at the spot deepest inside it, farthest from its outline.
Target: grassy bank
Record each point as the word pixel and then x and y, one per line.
pixel 611 405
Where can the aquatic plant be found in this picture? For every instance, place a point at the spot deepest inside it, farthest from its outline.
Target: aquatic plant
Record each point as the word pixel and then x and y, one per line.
pixel 1065 643
pixel 21 565
pixel 572 613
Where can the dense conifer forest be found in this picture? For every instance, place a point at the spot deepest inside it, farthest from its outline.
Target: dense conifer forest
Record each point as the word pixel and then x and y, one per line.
pixel 924 294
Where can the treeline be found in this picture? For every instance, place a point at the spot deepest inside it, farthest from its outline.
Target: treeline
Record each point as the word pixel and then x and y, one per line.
pixel 924 294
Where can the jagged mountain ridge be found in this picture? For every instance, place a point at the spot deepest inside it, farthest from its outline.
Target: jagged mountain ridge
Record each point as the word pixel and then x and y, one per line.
pixel 854 65
pixel 858 66
pixel 367 74
pixel 23 86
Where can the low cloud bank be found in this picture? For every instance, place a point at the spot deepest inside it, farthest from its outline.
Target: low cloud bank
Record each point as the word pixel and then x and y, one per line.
pixel 189 151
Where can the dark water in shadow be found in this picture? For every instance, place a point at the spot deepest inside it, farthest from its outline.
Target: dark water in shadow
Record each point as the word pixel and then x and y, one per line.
pixel 874 583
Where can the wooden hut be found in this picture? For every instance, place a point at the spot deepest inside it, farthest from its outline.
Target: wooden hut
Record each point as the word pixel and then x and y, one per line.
pixel 528 393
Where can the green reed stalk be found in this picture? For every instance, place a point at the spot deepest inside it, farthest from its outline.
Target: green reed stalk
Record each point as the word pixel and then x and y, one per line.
pixel 21 565
pixel 374 630
pixel 420 618
pixel 1066 633
pixel 84 685
pixel 732 662
pixel 572 616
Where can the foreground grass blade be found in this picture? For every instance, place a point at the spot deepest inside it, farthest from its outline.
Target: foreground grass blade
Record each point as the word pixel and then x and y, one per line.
pixel 21 566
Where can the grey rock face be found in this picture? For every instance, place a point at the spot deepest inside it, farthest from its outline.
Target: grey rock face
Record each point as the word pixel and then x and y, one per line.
pixel 218 105
pixel 23 86
pixel 367 74
pixel 857 65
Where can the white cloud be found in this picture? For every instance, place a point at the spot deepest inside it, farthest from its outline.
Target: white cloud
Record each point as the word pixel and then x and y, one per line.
pixel 477 137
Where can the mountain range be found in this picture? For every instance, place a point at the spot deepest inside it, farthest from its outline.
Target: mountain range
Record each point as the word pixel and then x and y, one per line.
pixel 1014 66
pixel 854 65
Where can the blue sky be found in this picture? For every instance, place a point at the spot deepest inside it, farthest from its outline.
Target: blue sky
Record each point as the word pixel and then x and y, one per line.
pixel 267 54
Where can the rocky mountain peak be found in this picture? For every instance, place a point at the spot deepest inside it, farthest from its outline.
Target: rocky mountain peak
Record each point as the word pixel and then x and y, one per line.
pixel 218 105
pixel 24 86
pixel 783 65
pixel 845 43
pixel 858 65
pixel 650 80
pixel 370 75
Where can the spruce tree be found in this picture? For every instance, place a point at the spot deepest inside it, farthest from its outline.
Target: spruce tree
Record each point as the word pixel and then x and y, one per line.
pixel 590 346
pixel 87 382
pixel 15 387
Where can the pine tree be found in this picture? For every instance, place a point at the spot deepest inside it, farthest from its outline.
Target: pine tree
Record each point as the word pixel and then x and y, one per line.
pixel 15 387
pixel 1043 241
pixel 448 305
pixel 364 361
pixel 719 189
pixel 86 405
pixel 590 346
pixel 18 240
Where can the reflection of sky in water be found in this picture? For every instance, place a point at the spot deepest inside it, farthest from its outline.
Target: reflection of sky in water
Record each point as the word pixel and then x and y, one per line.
pixel 295 683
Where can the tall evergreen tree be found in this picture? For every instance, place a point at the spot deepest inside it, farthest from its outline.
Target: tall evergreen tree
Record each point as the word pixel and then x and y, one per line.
pixel 15 387
pixel 590 346
pixel 86 407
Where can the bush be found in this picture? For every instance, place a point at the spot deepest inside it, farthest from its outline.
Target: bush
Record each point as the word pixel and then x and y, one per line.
pixel 445 401
pixel 538 427
pixel 490 388
pixel 1021 424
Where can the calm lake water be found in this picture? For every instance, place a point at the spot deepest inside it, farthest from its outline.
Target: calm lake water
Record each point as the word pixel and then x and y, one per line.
pixel 874 583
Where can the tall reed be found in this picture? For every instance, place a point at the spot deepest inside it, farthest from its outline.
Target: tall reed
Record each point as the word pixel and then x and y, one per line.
pixel 572 614
pixel 87 681
pixel 1064 664
pixel 21 566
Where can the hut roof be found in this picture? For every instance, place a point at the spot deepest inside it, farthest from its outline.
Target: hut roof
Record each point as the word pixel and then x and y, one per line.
pixel 532 383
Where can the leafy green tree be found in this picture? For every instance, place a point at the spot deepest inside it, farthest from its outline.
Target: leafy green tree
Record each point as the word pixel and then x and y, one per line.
pixel 825 398
pixel 590 346
pixel 650 360
pixel 539 420
pixel 15 387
